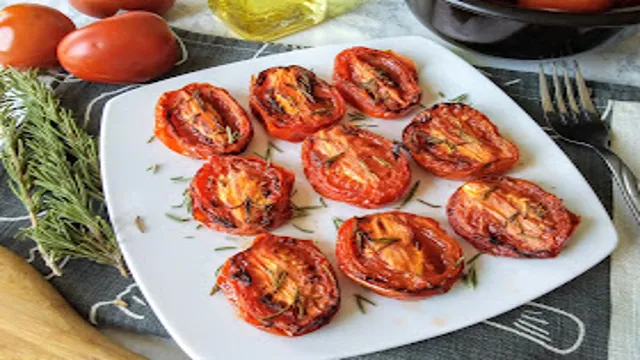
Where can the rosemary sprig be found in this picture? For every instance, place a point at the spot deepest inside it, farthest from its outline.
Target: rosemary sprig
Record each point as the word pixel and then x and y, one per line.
pixel 356 116
pixel 442 95
pixel 366 125
pixel 53 166
pixel 153 168
pixel 176 218
pixel 471 276
pixel 360 300
pixel 181 179
pixel 323 202
pixel 232 135
pixel 153 137
pixel 337 222
pixel 224 248
pixel 303 229
pixel 410 194
pixel 462 98
pixel 428 204
pixel 275 147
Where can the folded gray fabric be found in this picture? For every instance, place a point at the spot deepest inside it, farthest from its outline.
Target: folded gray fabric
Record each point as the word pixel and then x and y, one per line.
pixel 572 321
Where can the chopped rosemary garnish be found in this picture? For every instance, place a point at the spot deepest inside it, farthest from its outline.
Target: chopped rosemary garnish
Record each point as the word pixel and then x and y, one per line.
pixel 337 222
pixel 153 137
pixel 385 241
pixel 462 98
pixel 397 146
pixel 381 161
pixel 360 299
pixel 199 226
pixel 511 218
pixel 224 248
pixel 153 168
pixel 324 203
pixel 410 194
pixel 471 277
pixel 275 147
pixel 232 136
pixel 140 224
pixel 179 179
pixel 186 201
pixel 458 262
pixel 442 95
pixel 303 229
pixel 332 159
pixel 356 116
pixel 366 125
pixel 486 195
pixel 428 204
pixel 176 218
pixel 267 155
pixel 423 106
pixel 279 280
pixel 189 237
pixel 53 168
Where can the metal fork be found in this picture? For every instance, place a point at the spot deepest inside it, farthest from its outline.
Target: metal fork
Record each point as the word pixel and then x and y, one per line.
pixel 581 124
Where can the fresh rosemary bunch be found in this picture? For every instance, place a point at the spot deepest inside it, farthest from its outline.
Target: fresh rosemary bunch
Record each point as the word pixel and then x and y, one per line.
pixel 54 170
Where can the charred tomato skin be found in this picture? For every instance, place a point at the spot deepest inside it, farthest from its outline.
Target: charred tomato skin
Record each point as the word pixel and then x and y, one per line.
pixel 187 118
pixel 292 102
pixel 302 300
pixel 380 83
pixel 427 260
pixel 510 217
pixel 456 141
pixel 241 195
pixel 364 169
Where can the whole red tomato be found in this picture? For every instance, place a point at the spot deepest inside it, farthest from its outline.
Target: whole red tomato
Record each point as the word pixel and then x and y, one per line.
pixel 106 8
pixel 569 5
pixel 129 48
pixel 29 35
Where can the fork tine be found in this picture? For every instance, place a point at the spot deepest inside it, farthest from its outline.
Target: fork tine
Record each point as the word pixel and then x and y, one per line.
pixel 558 92
pixel 585 95
pixel 545 96
pixel 573 105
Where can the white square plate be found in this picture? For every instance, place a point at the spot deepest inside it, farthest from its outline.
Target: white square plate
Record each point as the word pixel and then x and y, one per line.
pixel 176 272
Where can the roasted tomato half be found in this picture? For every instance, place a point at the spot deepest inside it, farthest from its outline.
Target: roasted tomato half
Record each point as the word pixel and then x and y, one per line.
pixel 201 120
pixel 352 165
pixel 381 84
pixel 281 285
pixel 399 255
pixel 511 217
pixel 241 195
pixel 292 103
pixel 455 141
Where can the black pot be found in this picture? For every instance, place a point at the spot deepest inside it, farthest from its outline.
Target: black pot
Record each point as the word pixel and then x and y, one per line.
pixel 512 32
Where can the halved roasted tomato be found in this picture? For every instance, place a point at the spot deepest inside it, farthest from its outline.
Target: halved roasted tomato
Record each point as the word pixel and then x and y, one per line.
pixel 241 195
pixel 399 255
pixel 511 217
pixel 352 165
pixel 292 103
pixel 201 120
pixel 381 84
pixel 282 285
pixel 455 141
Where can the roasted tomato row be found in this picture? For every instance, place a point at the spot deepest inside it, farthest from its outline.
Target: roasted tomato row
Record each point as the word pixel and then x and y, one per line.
pixel 292 103
pixel 510 217
pixel 381 84
pixel 241 195
pixel 201 120
pixel 352 165
pixel 455 141
pixel 399 255
pixel 281 285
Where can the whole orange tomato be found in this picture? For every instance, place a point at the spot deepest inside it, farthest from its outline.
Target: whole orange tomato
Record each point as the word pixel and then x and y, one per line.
pixel 106 8
pixel 133 47
pixel 29 35
pixel 569 5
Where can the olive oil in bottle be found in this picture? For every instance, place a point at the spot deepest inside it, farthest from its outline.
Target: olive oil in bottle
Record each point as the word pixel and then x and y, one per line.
pixel 265 20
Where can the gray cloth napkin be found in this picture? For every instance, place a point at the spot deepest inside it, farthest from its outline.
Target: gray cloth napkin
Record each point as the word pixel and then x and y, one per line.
pixel 572 320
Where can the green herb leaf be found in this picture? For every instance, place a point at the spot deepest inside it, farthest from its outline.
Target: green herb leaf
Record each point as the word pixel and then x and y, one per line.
pixel 279 280
pixel 486 195
pixel 214 290
pixel 442 95
pixel 324 203
pixel 428 204
pixel 360 300
pixel 276 148
pixel 153 137
pixel 337 222
pixel 224 248
pixel 232 136
pixel 303 229
pixel 410 194
pixel 462 98
pixel 180 179
pixel 332 159
pixel 356 116
pixel 153 168
pixel 458 262
pixel 176 218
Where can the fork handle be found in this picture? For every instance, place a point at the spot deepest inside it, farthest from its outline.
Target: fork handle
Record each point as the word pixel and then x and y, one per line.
pixel 625 179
